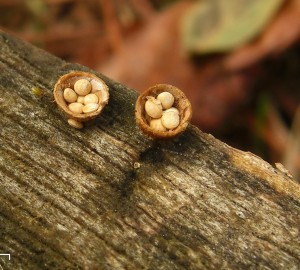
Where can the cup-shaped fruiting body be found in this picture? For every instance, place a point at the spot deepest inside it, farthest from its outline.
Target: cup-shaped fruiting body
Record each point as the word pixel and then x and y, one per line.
pixel 176 111
pixel 88 89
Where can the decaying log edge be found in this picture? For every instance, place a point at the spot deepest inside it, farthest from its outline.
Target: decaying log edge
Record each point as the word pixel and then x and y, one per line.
pixel 107 197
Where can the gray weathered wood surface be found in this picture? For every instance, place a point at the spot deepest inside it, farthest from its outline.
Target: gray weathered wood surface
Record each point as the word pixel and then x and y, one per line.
pixel 74 199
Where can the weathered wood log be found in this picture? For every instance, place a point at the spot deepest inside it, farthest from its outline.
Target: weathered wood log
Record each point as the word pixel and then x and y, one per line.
pixel 107 197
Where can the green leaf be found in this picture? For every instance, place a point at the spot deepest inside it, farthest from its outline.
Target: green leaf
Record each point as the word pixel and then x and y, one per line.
pixel 36 7
pixel 221 25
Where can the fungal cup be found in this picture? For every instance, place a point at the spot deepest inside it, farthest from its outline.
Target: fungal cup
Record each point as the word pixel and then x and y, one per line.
pixel 98 87
pixel 181 103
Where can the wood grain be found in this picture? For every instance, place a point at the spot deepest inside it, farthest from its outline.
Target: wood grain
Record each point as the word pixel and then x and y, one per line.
pixel 107 197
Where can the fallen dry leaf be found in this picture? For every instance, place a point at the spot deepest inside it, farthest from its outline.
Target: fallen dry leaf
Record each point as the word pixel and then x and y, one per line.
pixel 221 25
pixel 283 32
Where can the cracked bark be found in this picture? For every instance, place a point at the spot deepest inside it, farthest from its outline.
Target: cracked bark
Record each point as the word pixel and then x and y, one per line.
pixel 74 199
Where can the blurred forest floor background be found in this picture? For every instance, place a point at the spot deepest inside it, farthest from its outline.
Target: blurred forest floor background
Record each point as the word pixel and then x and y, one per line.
pixel 238 61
